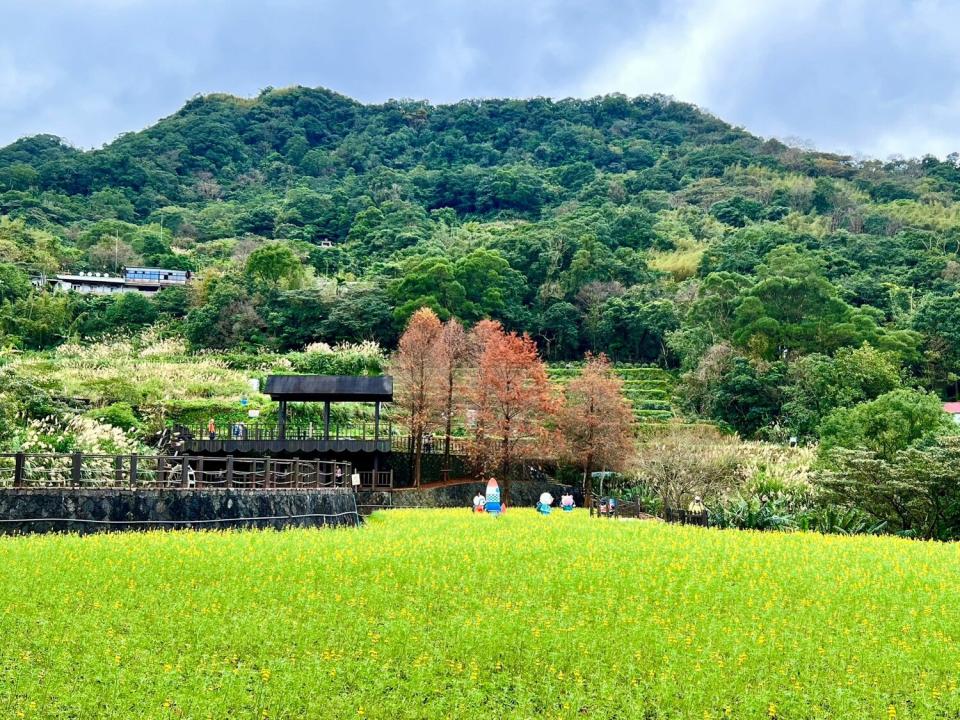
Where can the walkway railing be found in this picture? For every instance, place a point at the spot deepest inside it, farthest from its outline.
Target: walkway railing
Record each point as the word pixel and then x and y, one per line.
pixel 140 472
pixel 271 432
pixel 376 479
pixel 309 431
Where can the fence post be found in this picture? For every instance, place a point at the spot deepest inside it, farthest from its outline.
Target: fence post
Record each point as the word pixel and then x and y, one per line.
pixel 199 472
pixel 185 471
pixel 266 473
pixel 76 469
pixel 133 470
pixel 118 470
pixel 19 470
pixel 229 471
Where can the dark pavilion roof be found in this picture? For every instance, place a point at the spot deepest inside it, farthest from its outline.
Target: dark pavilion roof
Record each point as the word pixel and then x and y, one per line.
pixel 333 388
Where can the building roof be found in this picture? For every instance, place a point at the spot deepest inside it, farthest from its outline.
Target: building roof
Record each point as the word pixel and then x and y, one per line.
pixel 105 279
pixel 155 270
pixel 952 407
pixel 333 388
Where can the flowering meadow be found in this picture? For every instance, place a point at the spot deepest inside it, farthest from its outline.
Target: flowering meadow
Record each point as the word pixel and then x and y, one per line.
pixel 442 614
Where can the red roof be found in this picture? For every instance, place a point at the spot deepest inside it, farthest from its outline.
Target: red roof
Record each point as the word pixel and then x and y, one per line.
pixel 952 408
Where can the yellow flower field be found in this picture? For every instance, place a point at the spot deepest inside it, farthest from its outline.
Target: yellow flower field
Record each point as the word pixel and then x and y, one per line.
pixel 437 614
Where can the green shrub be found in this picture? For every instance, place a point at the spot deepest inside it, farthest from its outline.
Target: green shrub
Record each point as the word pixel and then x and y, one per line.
pixel 119 414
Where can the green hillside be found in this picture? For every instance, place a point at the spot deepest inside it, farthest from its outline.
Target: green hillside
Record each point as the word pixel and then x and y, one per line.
pixel 778 285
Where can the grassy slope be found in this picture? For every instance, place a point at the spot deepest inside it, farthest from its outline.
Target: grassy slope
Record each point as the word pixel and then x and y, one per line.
pixel 429 614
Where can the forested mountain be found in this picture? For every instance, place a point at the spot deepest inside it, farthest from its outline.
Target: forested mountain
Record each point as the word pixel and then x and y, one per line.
pixel 640 227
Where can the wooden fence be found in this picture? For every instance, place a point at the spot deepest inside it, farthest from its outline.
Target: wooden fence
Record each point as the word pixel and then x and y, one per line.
pixel 79 470
pixel 398 441
pixel 686 517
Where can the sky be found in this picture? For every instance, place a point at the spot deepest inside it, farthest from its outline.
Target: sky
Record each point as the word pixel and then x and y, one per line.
pixel 873 79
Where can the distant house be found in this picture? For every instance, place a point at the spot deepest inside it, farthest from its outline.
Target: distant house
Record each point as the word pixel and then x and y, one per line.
pixel 88 283
pixel 953 408
pixel 152 280
pixel 148 281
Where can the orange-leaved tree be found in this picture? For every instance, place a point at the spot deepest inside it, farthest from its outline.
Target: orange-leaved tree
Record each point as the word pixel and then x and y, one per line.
pixel 511 396
pixel 596 421
pixel 416 370
pixel 452 352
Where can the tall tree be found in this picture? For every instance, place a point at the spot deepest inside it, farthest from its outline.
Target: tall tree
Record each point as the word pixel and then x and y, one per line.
pixel 274 264
pixel 596 421
pixel 511 395
pixel 416 369
pixel 451 357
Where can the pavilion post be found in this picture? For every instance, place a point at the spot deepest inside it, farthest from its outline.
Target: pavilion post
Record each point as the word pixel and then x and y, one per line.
pixel 326 420
pixel 282 421
pixel 376 421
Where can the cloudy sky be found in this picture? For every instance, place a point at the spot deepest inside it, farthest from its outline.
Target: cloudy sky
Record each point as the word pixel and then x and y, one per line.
pixel 878 77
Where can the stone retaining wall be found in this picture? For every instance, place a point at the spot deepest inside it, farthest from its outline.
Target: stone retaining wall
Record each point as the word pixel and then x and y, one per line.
pixel 97 510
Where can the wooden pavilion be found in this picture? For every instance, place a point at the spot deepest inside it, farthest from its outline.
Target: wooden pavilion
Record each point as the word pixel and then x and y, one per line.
pixel 365 444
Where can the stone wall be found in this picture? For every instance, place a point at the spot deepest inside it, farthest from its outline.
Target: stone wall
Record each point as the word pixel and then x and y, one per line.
pixel 523 493
pixel 97 510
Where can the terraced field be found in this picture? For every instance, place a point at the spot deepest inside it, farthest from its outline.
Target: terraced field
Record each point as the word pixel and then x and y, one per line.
pixel 648 388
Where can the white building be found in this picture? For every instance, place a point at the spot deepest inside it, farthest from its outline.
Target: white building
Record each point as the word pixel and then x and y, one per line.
pixel 89 283
pixel 148 281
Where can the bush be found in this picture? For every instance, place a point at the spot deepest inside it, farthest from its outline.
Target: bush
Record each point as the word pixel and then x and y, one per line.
pixel 681 461
pixel 364 358
pixel 119 415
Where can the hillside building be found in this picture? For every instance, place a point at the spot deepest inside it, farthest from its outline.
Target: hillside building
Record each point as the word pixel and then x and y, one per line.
pixel 148 281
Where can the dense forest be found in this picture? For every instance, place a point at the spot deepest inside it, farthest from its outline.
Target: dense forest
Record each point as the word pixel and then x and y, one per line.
pixel 782 287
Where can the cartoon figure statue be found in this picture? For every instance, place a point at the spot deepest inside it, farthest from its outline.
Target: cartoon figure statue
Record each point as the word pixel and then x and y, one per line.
pixel 546 500
pixel 492 504
pixel 478 502
pixel 566 502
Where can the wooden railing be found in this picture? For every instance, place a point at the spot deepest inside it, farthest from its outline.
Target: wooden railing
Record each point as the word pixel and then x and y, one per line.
pixel 274 431
pixel 78 470
pixel 376 479
pixel 271 432
pixel 432 445
pixel 686 517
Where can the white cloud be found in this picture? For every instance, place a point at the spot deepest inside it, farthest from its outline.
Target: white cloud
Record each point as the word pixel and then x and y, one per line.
pixel 876 78
pixel 697 53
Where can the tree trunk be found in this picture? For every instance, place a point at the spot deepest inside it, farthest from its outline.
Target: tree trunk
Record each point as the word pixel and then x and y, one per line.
pixel 588 483
pixel 418 456
pixel 413 447
pixel 449 427
pixel 505 470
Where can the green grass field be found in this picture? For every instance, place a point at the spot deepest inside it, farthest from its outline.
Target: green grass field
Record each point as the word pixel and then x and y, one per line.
pixel 437 614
